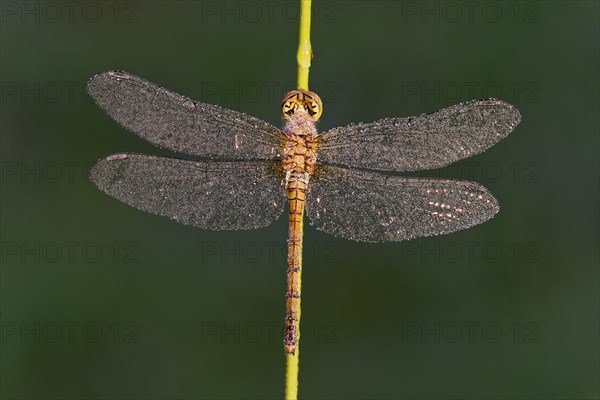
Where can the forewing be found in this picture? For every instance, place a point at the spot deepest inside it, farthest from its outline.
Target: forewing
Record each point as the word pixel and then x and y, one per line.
pixel 214 195
pixel 177 123
pixel 371 207
pixel 422 142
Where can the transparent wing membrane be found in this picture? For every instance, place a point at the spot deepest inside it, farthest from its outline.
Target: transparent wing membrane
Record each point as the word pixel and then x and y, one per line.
pixel 214 195
pixel 248 194
pixel 370 207
pixel 177 123
pixel 422 142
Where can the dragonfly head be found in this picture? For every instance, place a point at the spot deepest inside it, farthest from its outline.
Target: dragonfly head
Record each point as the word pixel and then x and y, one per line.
pixel 301 101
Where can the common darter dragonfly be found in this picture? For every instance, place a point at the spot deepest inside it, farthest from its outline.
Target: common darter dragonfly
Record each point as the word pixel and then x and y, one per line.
pixel 248 168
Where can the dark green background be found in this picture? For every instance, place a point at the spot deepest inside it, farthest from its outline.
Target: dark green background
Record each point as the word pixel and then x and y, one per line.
pixel 156 292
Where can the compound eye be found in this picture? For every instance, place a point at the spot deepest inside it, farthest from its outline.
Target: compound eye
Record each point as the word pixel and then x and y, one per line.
pixel 314 105
pixel 287 108
pixel 289 103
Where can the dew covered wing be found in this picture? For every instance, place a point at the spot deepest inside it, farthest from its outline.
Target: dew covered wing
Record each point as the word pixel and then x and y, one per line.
pixel 427 141
pixel 175 122
pixel 214 195
pixel 371 207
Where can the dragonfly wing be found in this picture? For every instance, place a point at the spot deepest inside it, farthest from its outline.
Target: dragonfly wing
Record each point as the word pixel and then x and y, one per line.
pixel 177 123
pixel 370 207
pixel 427 141
pixel 213 195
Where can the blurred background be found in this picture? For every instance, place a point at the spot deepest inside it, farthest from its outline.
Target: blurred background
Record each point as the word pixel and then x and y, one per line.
pixel 102 301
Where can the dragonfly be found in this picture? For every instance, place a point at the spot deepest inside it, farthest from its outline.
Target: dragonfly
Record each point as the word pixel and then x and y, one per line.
pixel 245 170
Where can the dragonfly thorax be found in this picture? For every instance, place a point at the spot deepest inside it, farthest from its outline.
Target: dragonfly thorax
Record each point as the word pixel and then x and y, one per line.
pixel 300 110
pixel 300 124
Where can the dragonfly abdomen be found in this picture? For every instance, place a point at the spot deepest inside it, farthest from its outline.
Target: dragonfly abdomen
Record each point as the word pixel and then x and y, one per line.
pixel 297 186
pixel 298 163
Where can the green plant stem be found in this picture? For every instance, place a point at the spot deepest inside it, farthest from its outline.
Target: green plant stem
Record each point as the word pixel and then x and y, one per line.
pixel 303 57
pixel 292 360
pixel 304 54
